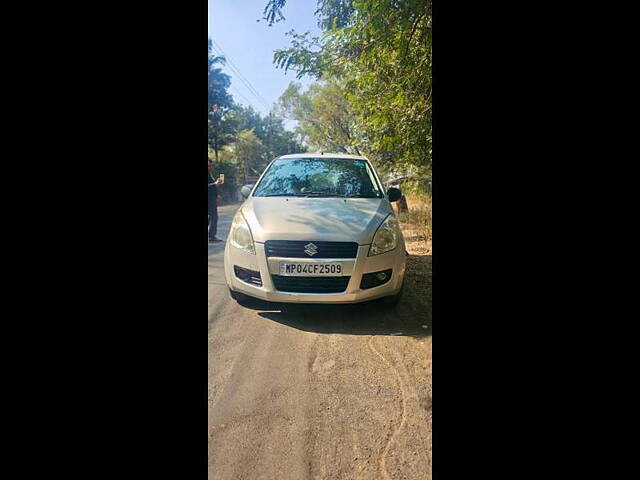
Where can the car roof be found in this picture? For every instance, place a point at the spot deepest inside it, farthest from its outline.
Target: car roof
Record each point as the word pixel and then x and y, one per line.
pixel 323 154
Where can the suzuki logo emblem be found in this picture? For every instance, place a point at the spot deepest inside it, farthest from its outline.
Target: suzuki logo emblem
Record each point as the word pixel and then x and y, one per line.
pixel 310 249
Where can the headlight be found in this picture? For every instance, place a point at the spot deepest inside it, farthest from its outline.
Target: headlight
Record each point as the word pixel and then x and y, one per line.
pixel 386 238
pixel 240 235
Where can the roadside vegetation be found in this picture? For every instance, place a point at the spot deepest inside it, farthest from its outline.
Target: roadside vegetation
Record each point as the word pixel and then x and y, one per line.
pixel 416 221
pixel 416 228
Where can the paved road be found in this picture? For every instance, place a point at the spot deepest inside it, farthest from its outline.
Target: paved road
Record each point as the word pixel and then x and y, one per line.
pixel 315 392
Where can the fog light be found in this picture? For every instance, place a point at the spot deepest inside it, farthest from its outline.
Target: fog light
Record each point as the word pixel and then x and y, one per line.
pixel 248 276
pixel 375 279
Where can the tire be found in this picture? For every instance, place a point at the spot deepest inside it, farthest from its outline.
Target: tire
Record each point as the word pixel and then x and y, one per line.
pixel 393 300
pixel 238 297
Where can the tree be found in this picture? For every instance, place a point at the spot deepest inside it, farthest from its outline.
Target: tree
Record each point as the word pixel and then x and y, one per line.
pixel 276 140
pixel 219 103
pixel 246 118
pixel 380 51
pixel 325 117
pixel 218 82
pixel 330 13
pixel 283 143
pixel 247 151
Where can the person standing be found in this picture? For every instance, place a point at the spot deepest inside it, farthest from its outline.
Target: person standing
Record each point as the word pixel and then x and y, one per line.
pixel 213 205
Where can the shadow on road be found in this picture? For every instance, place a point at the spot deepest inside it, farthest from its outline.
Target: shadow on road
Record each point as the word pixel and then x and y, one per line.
pixel 370 318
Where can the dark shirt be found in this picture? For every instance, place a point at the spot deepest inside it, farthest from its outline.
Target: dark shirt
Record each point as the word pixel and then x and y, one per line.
pixel 213 194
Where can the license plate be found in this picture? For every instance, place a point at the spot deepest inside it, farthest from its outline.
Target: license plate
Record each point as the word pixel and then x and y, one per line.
pixel 329 269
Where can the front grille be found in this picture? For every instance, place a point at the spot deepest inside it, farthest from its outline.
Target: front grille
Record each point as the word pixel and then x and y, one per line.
pixel 310 284
pixel 296 249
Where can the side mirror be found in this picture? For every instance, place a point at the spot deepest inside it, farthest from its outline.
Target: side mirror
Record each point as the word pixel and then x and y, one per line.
pixel 245 191
pixel 394 194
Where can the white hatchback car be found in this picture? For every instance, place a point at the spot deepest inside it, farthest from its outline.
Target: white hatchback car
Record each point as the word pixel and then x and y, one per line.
pixel 316 228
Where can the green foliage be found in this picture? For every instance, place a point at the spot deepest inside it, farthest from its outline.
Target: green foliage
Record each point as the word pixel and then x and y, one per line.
pixel 276 140
pixel 222 130
pixel 273 11
pixel 218 82
pixel 379 53
pixel 245 118
pixel 247 152
pixel 388 71
pixel 219 103
pixel 330 13
pixel 326 119
pixel 335 13
pixel 306 56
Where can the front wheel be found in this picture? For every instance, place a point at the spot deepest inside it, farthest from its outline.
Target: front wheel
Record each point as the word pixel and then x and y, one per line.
pixel 393 300
pixel 238 297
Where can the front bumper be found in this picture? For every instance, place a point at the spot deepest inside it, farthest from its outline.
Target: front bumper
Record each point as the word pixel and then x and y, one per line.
pixel 355 268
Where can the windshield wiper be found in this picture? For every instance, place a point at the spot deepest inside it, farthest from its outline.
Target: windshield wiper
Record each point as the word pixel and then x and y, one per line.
pixel 282 195
pixel 305 194
pixel 321 194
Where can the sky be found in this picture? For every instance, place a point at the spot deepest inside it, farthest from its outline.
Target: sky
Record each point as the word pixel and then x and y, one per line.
pixel 249 45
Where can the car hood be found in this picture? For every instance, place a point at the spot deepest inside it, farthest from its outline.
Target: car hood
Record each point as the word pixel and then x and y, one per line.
pixel 321 219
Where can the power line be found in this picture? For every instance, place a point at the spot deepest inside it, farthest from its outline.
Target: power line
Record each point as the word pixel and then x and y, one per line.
pixel 218 52
pixel 245 82
pixel 239 74
pixel 232 86
pixel 249 102
pixel 242 77
pixel 241 95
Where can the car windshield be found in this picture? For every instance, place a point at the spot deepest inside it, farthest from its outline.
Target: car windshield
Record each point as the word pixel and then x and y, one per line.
pixel 318 177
